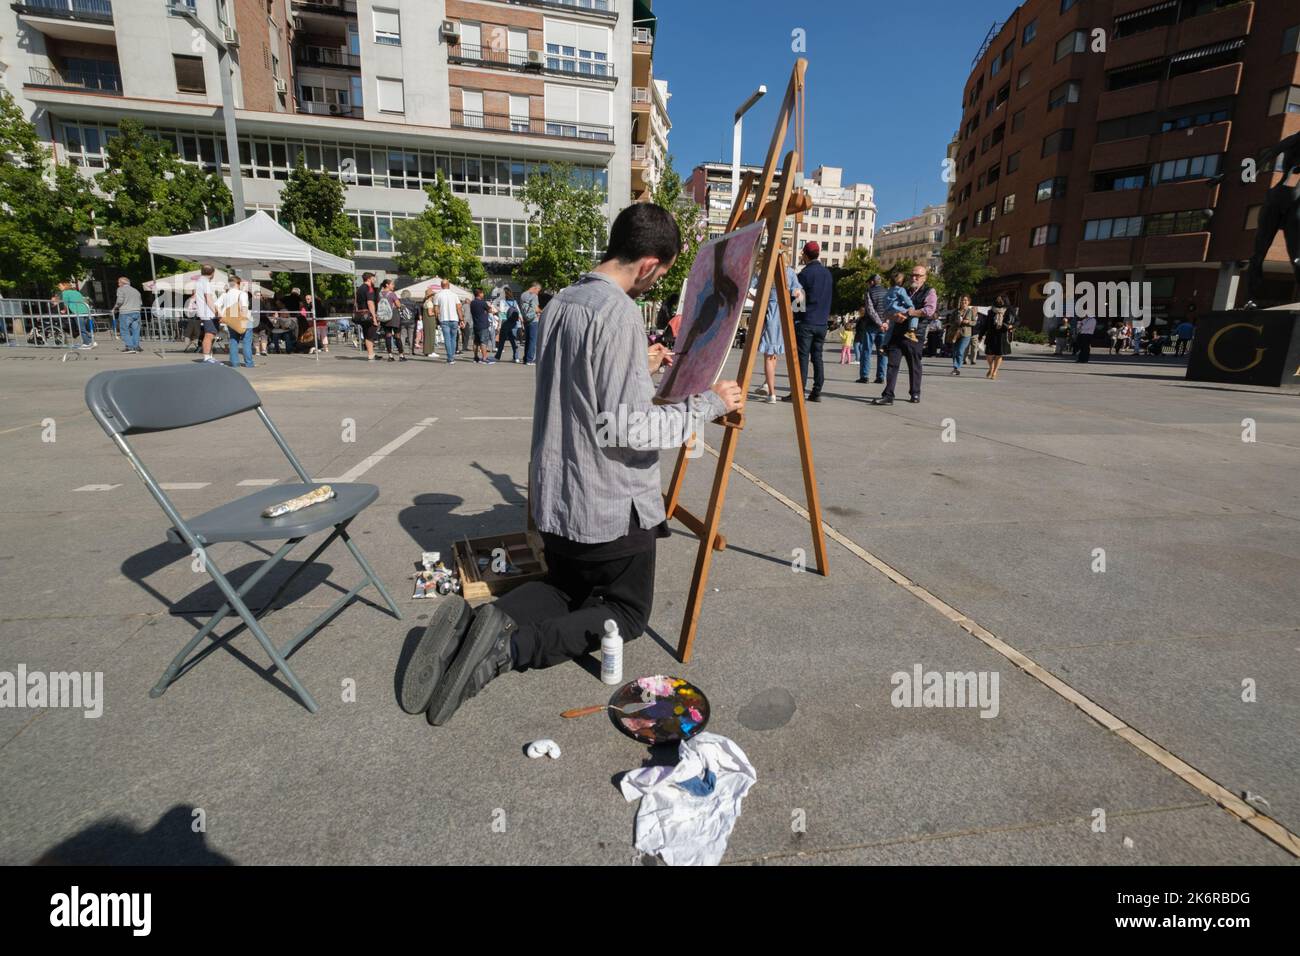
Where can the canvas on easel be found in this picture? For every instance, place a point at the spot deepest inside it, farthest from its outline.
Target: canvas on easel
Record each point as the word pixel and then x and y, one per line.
pixel 771 215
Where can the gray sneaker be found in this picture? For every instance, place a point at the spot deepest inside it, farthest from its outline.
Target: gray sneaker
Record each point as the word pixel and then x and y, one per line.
pixel 434 653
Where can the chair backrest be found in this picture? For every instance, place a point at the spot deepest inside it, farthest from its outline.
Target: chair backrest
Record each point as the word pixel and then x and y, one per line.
pixel 133 401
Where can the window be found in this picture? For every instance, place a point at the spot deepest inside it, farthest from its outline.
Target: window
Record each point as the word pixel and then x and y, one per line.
pixel 1065 93
pixel 1044 236
pixel 97 74
pixel 1177 223
pixel 1126 127
pixel 1002 59
pixel 1207 57
pixel 1008 203
pixel 1023 78
pixel 1149 71
pixel 1200 114
pixel 388 27
pixel 1075 42
pixel 1291 41
pixel 1285 100
pixel 1017 121
pixel 391 99
pixel 1151 18
pixel 1050 189
pixel 1013 162
pixel 1192 167
pixel 189 74
pixel 1062 141
pixel 1120 180
pixel 994 174
pixel 519 114
pixel 578 48
pixel 1031 31
pixel 1127 227
pixel 1067 4
pixel 471 108
pixel 1004 245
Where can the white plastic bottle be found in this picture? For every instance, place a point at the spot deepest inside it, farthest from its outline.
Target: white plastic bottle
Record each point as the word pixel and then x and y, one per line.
pixel 611 655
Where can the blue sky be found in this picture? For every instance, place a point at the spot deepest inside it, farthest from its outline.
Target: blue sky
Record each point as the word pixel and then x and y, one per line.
pixel 876 107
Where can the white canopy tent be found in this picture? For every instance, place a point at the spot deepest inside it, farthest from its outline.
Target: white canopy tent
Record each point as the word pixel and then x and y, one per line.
pixel 259 242
pixel 415 291
pixel 182 283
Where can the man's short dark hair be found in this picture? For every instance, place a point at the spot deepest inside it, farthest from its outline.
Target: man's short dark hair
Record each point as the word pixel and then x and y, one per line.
pixel 207 270
pixel 367 275
pixel 643 229
pixel 478 293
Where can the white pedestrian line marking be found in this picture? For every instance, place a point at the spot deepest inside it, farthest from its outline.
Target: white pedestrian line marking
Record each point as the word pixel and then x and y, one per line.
pixel 1243 811
pixel 498 418
pixel 183 485
pixel 257 482
pixel 356 471
pixel 97 487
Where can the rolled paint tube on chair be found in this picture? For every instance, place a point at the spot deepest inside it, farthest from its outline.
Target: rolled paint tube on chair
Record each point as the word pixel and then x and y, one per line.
pixel 313 497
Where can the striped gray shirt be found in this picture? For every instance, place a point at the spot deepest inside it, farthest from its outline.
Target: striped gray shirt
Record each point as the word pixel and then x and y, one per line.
pixel 596 431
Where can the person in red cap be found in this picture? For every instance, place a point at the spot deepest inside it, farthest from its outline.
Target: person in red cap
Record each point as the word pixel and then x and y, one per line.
pixel 810 324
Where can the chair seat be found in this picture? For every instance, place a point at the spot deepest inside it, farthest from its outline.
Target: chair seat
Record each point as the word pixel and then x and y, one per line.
pixel 241 520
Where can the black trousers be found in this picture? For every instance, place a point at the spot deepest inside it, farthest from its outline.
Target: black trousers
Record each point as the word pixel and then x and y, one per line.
pixel 811 341
pixel 901 350
pixel 1085 348
pixel 563 616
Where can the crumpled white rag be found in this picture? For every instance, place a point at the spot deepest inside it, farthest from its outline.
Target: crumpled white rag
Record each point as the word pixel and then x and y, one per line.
pixel 691 828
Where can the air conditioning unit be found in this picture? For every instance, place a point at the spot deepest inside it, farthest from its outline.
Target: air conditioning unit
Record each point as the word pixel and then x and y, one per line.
pixel 335 109
pixel 450 31
pixel 281 85
pixel 230 36
pixel 535 58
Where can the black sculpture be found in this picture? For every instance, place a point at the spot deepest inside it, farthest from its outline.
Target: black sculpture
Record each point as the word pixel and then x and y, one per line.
pixel 1281 210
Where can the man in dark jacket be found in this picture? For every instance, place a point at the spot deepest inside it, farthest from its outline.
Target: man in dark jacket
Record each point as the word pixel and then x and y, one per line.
pixel 810 324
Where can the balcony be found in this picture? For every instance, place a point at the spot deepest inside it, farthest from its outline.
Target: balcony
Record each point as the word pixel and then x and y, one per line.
pixel 600 8
pixel 472 55
pixel 341 8
pixel 530 126
pixel 326 58
pixel 644 38
pixel 330 109
pixel 99 10
pixel 640 98
pixel 81 81
pixel 640 154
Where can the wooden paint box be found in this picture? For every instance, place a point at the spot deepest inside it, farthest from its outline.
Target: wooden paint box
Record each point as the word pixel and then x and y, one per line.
pixel 522 548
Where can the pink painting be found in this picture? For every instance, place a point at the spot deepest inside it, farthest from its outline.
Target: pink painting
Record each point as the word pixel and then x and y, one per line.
pixel 712 302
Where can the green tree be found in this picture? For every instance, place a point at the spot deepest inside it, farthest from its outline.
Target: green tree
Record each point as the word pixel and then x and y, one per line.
pixel 851 281
pixel 691 221
pixel 566 227
pixel 311 206
pixel 966 266
pixel 45 209
pixel 442 240
pixel 147 192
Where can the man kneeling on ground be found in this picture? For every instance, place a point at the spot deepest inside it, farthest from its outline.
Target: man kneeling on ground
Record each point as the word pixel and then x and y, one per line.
pixel 597 502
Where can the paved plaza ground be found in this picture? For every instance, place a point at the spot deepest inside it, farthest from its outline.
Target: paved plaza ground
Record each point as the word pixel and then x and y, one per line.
pixel 1049 463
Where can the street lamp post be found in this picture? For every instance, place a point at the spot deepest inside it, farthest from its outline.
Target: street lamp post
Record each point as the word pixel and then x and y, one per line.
pixel 735 139
pixel 225 67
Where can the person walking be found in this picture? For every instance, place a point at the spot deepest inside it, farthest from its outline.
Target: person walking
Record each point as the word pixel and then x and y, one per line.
pixel 596 499
pixel 509 312
pixel 903 344
pixel 531 311
pixel 205 300
pixel 367 312
pixel 127 308
pixel 429 320
pixel 1086 327
pixel 232 306
pixel 962 330
pixel 450 321
pixel 75 304
pixel 481 313
pixel 997 336
pixel 810 324
pixel 772 342
pixel 876 332
pixel 1184 331
pixel 389 313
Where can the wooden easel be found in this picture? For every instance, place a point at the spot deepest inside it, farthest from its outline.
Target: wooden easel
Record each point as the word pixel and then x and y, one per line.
pixel 771 275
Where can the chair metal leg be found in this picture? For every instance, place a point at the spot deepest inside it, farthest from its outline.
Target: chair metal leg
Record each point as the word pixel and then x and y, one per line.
pixel 374 578
pixel 174 669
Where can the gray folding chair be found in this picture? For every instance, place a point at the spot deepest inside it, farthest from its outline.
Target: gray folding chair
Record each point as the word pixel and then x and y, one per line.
pixel 135 401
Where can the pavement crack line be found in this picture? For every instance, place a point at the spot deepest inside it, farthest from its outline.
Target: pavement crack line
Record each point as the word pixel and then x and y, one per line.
pixel 1180 768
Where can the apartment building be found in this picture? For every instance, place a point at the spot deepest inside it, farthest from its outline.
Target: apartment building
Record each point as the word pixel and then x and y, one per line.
pixel 650 124
pixel 919 238
pixel 382 94
pixel 842 217
pixel 1108 138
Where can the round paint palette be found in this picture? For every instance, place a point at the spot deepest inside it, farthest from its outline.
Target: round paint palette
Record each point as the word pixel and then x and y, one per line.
pixel 659 709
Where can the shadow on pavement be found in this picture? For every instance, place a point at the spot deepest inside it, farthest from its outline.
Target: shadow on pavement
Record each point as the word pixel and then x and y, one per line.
pixel 114 842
